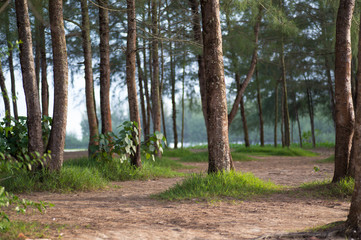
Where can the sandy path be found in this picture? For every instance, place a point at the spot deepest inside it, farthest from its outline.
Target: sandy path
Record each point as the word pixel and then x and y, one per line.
pixel 128 212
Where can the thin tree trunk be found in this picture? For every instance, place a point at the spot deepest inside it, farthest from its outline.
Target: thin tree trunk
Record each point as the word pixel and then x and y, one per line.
pixel 283 118
pixel 298 122
pixel 197 35
pixel 155 79
pixel 259 101
pixel 44 74
pixel 4 93
pixel 161 87
pixel 35 143
pixel 311 114
pixel 174 109
pixel 217 114
pixel 104 67
pixel 344 106
pixel 251 70
pixel 37 52
pixel 330 89
pixel 286 115
pixel 276 116
pixel 60 69
pixel 244 123
pixel 11 65
pixel 183 80
pixel 130 75
pixel 141 93
pixel 89 82
pixel 146 91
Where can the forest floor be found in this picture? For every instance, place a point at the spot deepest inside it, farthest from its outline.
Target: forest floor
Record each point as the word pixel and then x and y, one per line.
pixel 126 211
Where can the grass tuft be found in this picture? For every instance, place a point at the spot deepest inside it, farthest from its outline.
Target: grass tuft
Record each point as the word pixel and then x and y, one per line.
pixel 330 159
pixel 223 184
pixel 327 189
pixel 272 151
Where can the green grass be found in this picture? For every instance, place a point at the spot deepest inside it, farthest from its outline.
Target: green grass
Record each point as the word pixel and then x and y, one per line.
pixel 326 189
pixel 87 175
pixel 318 145
pixel 203 157
pixel 214 186
pixel 11 230
pixel 168 152
pixel 330 159
pixel 272 151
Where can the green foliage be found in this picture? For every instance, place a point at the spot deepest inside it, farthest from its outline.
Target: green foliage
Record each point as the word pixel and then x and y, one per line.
pixel 124 143
pixel 14 135
pixel 326 189
pixel 218 185
pixel 272 151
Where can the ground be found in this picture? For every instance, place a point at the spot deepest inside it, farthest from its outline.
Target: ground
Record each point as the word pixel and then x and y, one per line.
pixel 126 210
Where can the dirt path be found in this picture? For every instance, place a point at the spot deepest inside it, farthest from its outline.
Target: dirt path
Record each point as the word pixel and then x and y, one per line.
pixel 126 211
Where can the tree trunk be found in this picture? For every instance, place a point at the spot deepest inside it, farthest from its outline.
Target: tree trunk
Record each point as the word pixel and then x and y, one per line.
pixel 141 92
pixel 5 95
pixel 89 82
pixel 244 123
pixel 11 65
pixel 29 81
pixel 259 101
pixel 130 72
pixel 197 35
pixel 217 115
pixel 182 132
pixel 344 106
pixel 298 122
pixel 353 222
pixel 174 109
pixel 311 114
pixel 156 111
pixel 252 67
pixel 161 87
pixel 276 116
pixel 283 118
pixel 44 73
pixel 104 67
pixel 60 69
pixel 286 115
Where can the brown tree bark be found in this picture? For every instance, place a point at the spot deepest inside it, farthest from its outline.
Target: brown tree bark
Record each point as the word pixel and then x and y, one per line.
pixel 11 65
pixel 353 222
pixel 298 121
pixel 244 124
pixel 156 111
pixel 161 88
pixel 29 81
pixel 141 93
pixel 344 106
pixel 89 82
pixel 259 101
pixel 44 72
pixel 197 35
pixel 183 109
pixel 251 69
pixel 174 106
pixel 5 95
pixel 217 115
pixel 60 69
pixel 104 67
pixel 286 114
pixel 130 75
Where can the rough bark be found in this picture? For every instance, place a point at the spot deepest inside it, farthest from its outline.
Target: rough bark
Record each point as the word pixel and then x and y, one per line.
pixel 156 111
pixel 251 70
pixel 197 35
pixel 130 75
pixel 104 67
pixel 217 117
pixel 259 101
pixel 344 106
pixel 60 71
pixel 29 81
pixel 89 82
pixel 5 95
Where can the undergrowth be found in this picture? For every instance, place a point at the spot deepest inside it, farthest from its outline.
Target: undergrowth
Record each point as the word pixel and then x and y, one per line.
pixel 330 159
pixel 272 151
pixel 86 175
pixel 223 184
pixel 327 189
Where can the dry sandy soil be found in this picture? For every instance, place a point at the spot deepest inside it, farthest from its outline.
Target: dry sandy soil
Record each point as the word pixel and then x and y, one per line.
pixel 126 210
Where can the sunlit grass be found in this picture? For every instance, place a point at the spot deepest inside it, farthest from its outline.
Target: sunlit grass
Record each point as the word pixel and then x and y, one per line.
pixel 219 185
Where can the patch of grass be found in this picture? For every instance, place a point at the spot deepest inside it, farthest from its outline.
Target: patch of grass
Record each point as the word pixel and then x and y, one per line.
pixel 203 157
pixel 223 184
pixel 272 151
pixel 241 157
pixel 330 159
pixel 327 189
pixel 15 229
pixel 203 146
pixel 326 227
pixel 168 152
pixel 87 175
